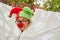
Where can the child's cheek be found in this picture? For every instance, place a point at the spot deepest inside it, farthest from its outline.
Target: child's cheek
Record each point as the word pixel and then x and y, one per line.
pixel 25 25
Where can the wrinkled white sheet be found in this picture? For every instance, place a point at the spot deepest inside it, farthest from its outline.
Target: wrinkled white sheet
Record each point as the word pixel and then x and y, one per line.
pixel 7 25
pixel 45 26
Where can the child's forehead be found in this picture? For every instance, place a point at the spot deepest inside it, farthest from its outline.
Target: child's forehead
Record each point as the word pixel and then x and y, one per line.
pixel 22 18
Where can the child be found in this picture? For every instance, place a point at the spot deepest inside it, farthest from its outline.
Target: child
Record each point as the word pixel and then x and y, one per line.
pixel 23 17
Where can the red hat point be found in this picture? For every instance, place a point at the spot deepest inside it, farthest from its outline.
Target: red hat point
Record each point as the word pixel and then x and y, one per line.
pixel 15 10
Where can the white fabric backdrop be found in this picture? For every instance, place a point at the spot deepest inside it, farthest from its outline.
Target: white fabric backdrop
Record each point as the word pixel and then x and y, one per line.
pixel 45 26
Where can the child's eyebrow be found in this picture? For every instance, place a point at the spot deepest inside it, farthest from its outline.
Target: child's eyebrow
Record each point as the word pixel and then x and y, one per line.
pixel 25 19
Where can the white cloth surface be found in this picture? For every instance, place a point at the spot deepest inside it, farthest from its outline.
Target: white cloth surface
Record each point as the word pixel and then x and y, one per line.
pixel 45 26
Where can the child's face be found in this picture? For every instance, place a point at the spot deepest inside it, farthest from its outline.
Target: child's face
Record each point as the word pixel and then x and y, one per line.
pixel 24 21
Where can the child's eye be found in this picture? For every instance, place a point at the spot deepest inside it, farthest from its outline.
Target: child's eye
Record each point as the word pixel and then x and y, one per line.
pixel 20 21
pixel 24 21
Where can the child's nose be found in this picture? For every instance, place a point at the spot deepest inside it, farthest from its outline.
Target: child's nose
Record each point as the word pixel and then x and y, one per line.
pixel 20 25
